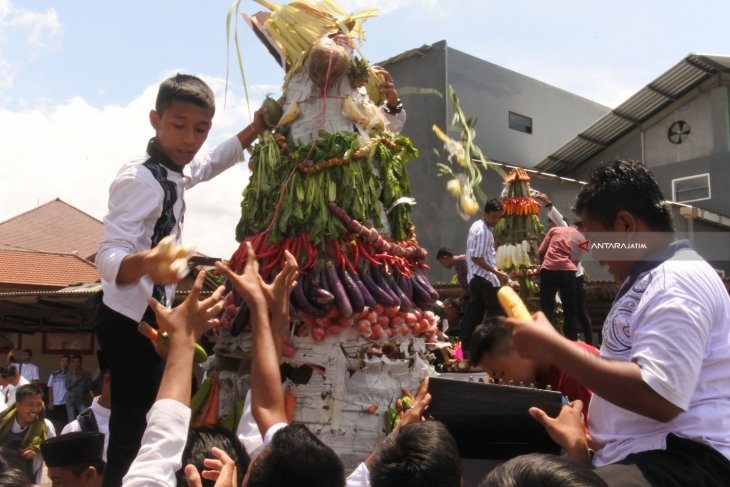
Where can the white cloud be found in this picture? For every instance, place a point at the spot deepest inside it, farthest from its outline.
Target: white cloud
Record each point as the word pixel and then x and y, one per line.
pixel 42 28
pixel 73 151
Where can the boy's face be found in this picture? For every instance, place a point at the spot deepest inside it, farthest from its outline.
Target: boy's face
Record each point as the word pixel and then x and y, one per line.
pixel 76 363
pixel 63 363
pixel 492 218
pixel 503 363
pixel 25 357
pixel 64 477
pixel 447 261
pixel 181 129
pixel 29 409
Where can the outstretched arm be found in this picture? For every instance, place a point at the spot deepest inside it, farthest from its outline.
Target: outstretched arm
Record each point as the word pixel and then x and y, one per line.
pixel 267 397
pixel 616 381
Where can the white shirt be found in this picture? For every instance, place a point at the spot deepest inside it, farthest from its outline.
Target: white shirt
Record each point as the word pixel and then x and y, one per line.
pixel 160 455
pixel 360 477
pixel 481 244
pixel 135 204
pixel 10 390
pixel 101 415
pixel 29 371
pixel 674 323
pixel 57 383
pixel 248 431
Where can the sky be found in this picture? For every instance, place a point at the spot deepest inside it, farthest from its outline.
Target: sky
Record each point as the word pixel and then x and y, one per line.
pixel 78 78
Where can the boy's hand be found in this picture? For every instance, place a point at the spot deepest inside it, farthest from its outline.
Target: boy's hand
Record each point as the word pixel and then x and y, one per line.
pixel 258 125
pixel 531 339
pixel 387 86
pixel 247 284
pixel 567 430
pixel 223 470
pixel 419 406
pixel 277 293
pixel 189 320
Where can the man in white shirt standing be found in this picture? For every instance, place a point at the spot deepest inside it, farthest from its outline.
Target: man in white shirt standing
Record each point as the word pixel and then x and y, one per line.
pixel 10 379
pixel 483 276
pixel 27 369
pixel 661 386
pixel 57 412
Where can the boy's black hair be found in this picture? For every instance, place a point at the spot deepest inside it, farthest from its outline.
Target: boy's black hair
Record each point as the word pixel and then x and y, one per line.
pixel 297 457
pixel 200 440
pixel 624 185
pixel 14 477
pixel 453 302
pixel 10 371
pixel 485 338
pixel 184 87
pixel 542 470
pixel 495 204
pixel 28 351
pixel 444 252
pixel 77 356
pixel 26 391
pixel 420 454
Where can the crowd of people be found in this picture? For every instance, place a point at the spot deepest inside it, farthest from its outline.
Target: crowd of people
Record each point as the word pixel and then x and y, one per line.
pixel 651 408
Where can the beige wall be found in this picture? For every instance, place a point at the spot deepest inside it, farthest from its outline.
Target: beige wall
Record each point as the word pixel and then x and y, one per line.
pixel 48 362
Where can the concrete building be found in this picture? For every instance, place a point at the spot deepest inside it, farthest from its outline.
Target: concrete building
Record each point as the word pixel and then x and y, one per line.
pixel 520 119
pixel 679 127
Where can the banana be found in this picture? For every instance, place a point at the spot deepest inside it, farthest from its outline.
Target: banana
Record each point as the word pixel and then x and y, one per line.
pixel 512 304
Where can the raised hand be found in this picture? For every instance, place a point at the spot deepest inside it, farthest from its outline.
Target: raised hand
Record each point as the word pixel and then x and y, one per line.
pixel 531 339
pixel 419 406
pixel 222 469
pixel 191 318
pixel 249 283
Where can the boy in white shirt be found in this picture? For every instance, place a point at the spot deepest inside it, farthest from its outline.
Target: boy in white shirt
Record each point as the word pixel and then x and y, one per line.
pixel 661 403
pixel 146 204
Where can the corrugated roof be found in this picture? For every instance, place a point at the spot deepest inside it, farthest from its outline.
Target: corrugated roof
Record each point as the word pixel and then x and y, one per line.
pixel 667 89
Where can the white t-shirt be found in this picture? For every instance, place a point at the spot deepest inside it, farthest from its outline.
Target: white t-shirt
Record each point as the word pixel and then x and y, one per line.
pixel 101 415
pixel 135 203
pixel 674 323
pixel 360 477
pixel 29 371
pixel 11 389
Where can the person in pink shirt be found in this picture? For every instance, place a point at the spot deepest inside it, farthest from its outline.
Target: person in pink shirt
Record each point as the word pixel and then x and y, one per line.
pixel 559 256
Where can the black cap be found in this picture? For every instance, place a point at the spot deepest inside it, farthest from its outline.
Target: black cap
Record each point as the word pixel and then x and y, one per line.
pixel 77 448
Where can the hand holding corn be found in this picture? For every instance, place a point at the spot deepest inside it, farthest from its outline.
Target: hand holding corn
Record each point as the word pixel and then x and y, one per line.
pixel 167 263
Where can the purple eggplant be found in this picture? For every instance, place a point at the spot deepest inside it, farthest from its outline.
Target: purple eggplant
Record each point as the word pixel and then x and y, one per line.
pixel 316 294
pixel 367 297
pixel 338 290
pixel 300 302
pixel 420 296
pixel 353 292
pixel 426 284
pixel 406 285
pixel 378 293
pixel 405 301
pixel 378 277
pixel 243 316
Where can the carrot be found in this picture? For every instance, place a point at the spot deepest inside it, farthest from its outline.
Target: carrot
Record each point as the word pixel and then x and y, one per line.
pixel 209 413
pixel 290 404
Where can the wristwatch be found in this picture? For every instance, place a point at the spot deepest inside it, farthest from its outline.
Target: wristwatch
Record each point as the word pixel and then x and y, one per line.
pixel 394 109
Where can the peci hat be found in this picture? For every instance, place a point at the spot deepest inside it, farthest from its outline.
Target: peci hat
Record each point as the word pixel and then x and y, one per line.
pixel 77 448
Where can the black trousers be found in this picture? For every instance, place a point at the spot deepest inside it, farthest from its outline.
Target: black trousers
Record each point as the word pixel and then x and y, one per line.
pixel 584 321
pixel 684 463
pixel 563 282
pixel 136 370
pixel 483 302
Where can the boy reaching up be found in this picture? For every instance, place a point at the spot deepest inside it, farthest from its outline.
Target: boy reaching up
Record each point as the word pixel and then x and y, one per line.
pixel 146 205
pixel 292 455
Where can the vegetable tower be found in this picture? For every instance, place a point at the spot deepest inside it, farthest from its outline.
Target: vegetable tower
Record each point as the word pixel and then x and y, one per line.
pixel 519 232
pixel 329 184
